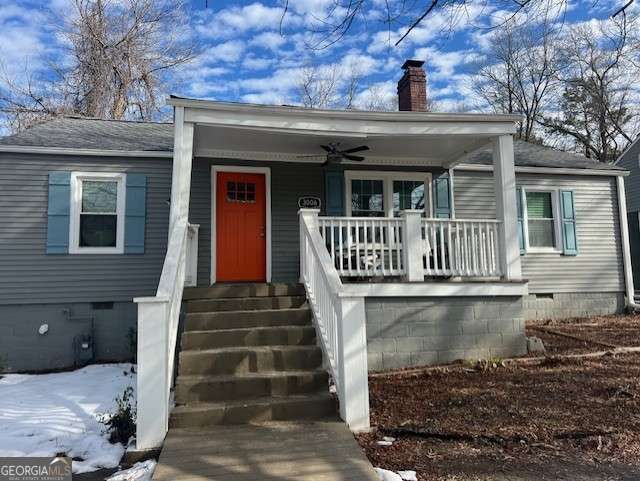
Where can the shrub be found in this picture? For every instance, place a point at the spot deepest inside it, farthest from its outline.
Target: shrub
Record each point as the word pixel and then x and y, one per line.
pixel 121 425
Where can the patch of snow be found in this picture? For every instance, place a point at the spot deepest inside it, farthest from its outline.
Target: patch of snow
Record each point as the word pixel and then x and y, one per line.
pixel 408 475
pixel 138 472
pixel 46 414
pixel 385 443
pixel 386 475
pixel 388 438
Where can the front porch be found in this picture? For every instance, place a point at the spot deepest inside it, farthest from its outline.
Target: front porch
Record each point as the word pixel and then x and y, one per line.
pixel 386 227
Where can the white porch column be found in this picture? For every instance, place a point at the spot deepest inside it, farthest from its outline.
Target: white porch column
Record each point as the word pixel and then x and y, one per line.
pixel 181 174
pixel 506 209
pixel 412 245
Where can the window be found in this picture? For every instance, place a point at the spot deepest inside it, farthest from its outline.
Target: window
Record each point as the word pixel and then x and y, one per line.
pixel 97 213
pixel 541 220
pixel 386 194
pixel 367 198
pixel 407 194
pixel 241 192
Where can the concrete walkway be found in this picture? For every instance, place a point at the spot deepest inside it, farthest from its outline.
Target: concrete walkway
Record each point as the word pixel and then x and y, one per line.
pixel 319 451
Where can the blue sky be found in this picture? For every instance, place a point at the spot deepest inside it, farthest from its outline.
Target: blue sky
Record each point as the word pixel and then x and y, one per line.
pixel 245 58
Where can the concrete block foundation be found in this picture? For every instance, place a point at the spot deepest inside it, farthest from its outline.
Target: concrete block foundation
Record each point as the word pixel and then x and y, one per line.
pixel 406 332
pixel 568 305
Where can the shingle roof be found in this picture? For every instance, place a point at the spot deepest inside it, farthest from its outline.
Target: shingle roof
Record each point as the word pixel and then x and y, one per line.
pixel 527 154
pixel 84 133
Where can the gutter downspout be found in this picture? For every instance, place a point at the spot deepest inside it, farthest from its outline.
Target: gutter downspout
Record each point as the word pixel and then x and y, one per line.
pixel 626 251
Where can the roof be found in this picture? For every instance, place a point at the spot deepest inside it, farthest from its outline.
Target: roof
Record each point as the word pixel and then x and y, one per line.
pixel 114 135
pixel 527 154
pixel 95 134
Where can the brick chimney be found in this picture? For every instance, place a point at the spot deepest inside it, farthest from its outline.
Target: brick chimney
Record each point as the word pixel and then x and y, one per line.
pixel 412 87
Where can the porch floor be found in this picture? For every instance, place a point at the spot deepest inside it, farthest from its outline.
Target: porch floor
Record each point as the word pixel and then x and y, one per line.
pixel 318 451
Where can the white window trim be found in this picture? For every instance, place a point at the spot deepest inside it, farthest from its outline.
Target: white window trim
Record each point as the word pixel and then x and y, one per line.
pixel 387 179
pixel 76 204
pixel 557 225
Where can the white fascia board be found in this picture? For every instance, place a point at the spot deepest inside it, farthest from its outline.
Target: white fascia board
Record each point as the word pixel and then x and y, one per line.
pixel 20 149
pixel 338 123
pixel 287 111
pixel 436 289
pixel 546 170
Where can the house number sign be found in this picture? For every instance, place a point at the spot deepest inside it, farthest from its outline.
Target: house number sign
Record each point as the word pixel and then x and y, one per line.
pixel 309 202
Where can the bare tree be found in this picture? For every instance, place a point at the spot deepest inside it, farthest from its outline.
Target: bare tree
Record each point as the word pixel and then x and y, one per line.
pixel 520 73
pixel 341 17
pixel 598 111
pixel 120 52
pixel 329 86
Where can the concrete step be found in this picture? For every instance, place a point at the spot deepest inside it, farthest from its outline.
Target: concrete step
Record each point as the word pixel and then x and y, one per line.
pixel 206 321
pixel 239 360
pixel 249 336
pixel 303 407
pixel 207 389
pixel 243 290
pixel 245 303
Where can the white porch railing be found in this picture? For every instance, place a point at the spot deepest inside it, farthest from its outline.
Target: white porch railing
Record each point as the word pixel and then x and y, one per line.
pixel 340 323
pixel 461 248
pixel 412 246
pixel 158 319
pixel 364 246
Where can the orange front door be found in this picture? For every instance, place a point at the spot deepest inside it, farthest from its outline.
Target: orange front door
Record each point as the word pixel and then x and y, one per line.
pixel 240 227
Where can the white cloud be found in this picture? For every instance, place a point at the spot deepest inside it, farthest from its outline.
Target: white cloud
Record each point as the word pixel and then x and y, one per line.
pixel 269 40
pixel 230 51
pixel 233 20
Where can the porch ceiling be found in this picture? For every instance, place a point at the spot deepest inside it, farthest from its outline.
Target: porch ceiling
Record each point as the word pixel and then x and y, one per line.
pixel 261 132
pixel 257 144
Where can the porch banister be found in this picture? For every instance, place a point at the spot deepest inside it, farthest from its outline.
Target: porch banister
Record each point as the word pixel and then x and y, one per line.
pixel 412 248
pixel 506 210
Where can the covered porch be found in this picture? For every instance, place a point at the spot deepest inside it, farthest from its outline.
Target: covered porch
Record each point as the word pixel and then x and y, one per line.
pixel 382 227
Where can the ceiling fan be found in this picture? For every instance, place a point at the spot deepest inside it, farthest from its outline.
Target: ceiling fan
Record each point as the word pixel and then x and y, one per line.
pixel 335 155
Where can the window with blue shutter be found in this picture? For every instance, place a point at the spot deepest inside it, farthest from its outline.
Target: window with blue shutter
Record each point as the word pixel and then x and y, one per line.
pixel 135 213
pixel 568 220
pixel 519 206
pixel 441 198
pixel 58 212
pixel 334 193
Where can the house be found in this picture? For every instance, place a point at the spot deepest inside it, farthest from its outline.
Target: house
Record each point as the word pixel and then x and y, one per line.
pixel 409 238
pixel 630 161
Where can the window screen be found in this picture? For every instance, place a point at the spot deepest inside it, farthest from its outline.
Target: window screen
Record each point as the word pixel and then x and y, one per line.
pixel 367 198
pixel 540 219
pixel 98 214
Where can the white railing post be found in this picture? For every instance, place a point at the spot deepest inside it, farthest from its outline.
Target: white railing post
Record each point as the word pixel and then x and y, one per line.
pixel 506 210
pixel 352 363
pixel 412 245
pixel 191 274
pixel 310 218
pixel 152 391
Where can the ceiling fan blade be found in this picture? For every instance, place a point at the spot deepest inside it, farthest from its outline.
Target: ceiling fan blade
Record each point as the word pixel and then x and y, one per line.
pixel 328 148
pixel 354 157
pixel 355 149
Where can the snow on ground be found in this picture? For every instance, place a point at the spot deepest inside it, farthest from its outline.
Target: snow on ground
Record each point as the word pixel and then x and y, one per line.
pixel 138 472
pixel 386 475
pixel 46 414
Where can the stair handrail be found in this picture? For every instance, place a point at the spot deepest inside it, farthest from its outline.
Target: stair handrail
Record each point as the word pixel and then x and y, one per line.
pixel 339 321
pixel 158 320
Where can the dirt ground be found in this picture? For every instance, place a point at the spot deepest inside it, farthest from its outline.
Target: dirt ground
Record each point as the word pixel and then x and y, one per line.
pixel 549 418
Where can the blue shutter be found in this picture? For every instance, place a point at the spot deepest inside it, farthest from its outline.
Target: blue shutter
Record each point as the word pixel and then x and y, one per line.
pixel 520 207
pixel 58 212
pixel 569 237
pixel 135 214
pixel 441 199
pixel 334 193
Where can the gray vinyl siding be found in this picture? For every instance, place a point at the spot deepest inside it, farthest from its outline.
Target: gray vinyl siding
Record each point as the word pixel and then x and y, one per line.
pixel 598 267
pixel 288 182
pixel 631 162
pixel 29 276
